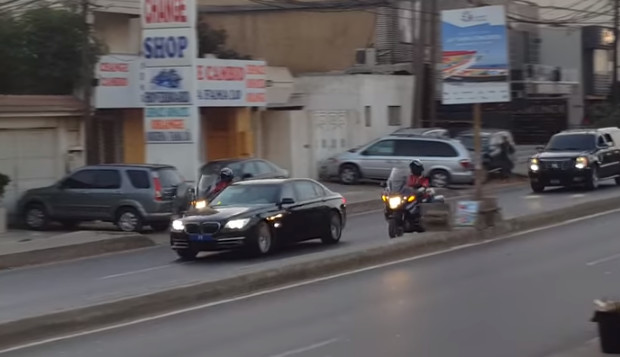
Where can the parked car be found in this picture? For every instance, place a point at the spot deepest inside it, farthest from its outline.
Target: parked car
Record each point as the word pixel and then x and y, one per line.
pixel 577 157
pixel 260 215
pixel 244 169
pixel 446 161
pixel 432 132
pixel 490 140
pixel 130 196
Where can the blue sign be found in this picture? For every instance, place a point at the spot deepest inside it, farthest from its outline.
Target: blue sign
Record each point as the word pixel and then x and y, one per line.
pixel 165 47
pixel 167 78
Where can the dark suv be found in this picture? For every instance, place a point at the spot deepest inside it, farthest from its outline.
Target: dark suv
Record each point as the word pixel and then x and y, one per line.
pixel 130 196
pixel 577 157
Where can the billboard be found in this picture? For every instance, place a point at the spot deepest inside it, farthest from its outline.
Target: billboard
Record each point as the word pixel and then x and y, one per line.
pixel 475 65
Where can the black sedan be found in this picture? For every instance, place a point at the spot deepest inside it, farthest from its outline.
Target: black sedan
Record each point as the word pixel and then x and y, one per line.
pixel 259 216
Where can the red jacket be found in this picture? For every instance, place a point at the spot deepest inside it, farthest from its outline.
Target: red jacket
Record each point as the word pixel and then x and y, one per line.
pixel 219 187
pixel 418 181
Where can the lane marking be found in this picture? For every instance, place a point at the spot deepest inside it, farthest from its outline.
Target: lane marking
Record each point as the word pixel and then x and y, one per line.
pixel 603 260
pixel 307 348
pixel 302 283
pixel 532 197
pixel 134 272
pixel 578 195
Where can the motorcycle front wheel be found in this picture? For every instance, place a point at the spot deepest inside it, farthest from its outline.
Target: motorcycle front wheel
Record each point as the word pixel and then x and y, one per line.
pixel 393 228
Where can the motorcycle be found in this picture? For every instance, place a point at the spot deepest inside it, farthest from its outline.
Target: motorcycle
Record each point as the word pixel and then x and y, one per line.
pixel 402 204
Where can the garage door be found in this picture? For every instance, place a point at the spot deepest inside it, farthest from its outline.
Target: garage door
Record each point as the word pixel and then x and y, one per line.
pixel 28 158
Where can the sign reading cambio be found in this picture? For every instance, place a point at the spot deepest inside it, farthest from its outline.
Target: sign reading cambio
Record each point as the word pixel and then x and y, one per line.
pixel 224 83
pixel 168 13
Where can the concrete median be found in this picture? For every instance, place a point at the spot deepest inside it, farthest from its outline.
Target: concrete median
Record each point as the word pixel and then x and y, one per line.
pixel 340 260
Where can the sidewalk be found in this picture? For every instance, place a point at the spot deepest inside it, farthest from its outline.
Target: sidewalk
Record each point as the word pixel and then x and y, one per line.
pixel 589 349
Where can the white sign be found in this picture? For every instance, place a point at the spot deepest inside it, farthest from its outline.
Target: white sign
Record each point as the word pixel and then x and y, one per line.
pixel 230 83
pixel 167 86
pixel 168 124
pixel 118 82
pixel 475 64
pixel 169 47
pixel 168 13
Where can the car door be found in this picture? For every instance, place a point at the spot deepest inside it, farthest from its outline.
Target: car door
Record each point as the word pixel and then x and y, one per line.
pixel 72 199
pixel 615 156
pixel 105 194
pixel 605 156
pixel 376 161
pixel 293 218
pixel 311 205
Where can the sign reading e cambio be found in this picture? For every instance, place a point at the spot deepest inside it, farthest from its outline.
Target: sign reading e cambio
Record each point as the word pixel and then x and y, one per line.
pixel 168 47
pixel 168 125
pixel 168 14
pixel 230 83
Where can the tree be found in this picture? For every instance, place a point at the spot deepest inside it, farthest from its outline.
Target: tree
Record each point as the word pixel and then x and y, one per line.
pixel 41 51
pixel 212 41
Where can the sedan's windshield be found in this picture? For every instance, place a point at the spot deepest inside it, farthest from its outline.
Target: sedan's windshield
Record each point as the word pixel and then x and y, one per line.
pixel 239 195
pixel 572 142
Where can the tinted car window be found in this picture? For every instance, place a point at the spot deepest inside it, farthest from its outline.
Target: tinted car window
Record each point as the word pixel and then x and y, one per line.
pixel 264 168
pixel 139 178
pixel 438 149
pixel 249 167
pixel 214 167
pixel 306 190
pixel 247 195
pixel 571 142
pixel 382 148
pixel 107 179
pixel 169 177
pixel 80 180
pixel 408 147
pixel 288 192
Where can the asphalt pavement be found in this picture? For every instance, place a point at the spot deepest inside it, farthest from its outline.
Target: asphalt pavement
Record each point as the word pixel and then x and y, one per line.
pixel 46 289
pixel 525 297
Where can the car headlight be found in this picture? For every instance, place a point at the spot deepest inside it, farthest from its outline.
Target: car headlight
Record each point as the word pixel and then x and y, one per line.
pixel 534 165
pixel 237 223
pixel 178 225
pixel 394 202
pixel 200 204
pixel 581 162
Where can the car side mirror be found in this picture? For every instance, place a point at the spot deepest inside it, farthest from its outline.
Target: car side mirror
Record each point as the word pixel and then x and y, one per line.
pixel 287 201
pixel 246 176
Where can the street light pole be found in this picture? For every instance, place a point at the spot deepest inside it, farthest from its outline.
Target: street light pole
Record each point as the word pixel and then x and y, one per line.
pixel 614 79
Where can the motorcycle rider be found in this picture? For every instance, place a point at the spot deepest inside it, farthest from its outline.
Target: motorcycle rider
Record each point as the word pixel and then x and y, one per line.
pixel 417 179
pixel 226 178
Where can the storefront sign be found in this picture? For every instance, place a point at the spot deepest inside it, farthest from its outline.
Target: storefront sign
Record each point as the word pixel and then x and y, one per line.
pixel 167 85
pixel 475 65
pixel 168 47
pixel 118 82
pixel 168 124
pixel 230 83
pixel 168 13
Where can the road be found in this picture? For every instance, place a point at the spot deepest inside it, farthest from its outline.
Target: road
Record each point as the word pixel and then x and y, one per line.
pixel 41 290
pixel 524 297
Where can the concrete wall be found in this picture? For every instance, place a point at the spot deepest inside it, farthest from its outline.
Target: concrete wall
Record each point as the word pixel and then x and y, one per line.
pixel 563 48
pixel 120 32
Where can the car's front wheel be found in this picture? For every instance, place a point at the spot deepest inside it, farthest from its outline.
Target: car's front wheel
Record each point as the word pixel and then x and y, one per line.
pixel 36 217
pixel 187 254
pixel 537 187
pixel 593 180
pixel 262 242
pixel 333 230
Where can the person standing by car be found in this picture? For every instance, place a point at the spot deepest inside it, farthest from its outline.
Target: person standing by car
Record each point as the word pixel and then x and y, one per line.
pixel 226 178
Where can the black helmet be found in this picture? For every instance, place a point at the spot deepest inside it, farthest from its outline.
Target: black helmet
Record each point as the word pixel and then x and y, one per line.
pixel 416 167
pixel 227 174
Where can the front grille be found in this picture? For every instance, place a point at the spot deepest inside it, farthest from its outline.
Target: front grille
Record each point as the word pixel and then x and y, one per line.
pixel 210 227
pixel 556 164
pixel 204 228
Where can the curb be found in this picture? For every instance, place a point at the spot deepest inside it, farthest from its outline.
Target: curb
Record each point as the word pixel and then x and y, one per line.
pixel 116 243
pixel 127 309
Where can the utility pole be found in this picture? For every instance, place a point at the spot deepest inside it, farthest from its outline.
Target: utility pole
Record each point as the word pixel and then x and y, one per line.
pixel 614 79
pixel 432 112
pixel 420 65
pixel 92 152
pixel 414 65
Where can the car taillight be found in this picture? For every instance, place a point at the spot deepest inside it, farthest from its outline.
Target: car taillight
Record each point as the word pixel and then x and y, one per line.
pixel 344 201
pixel 466 164
pixel 157 185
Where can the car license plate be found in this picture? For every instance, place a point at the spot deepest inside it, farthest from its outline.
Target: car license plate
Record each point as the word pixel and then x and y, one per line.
pixel 200 237
pixel 555 182
pixel 555 166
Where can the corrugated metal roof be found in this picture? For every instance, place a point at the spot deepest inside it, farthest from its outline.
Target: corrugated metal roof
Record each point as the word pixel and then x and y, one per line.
pixel 66 104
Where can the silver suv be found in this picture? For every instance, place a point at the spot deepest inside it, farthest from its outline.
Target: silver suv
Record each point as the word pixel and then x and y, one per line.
pixel 130 196
pixel 445 161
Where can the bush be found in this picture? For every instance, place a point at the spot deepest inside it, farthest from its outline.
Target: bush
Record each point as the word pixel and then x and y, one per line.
pixel 4 181
pixel 605 115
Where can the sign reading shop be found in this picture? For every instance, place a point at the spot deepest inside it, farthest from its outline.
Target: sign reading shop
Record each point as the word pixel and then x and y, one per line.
pixel 168 47
pixel 167 86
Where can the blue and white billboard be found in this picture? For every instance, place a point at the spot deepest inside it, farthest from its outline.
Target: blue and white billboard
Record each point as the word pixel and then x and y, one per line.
pixel 475 63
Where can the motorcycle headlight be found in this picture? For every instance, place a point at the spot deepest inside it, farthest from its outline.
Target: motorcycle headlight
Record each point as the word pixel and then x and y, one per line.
pixel 178 225
pixel 581 162
pixel 200 204
pixel 394 202
pixel 237 223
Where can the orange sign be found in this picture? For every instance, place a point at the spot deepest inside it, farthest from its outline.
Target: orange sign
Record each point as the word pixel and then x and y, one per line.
pixel 168 124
